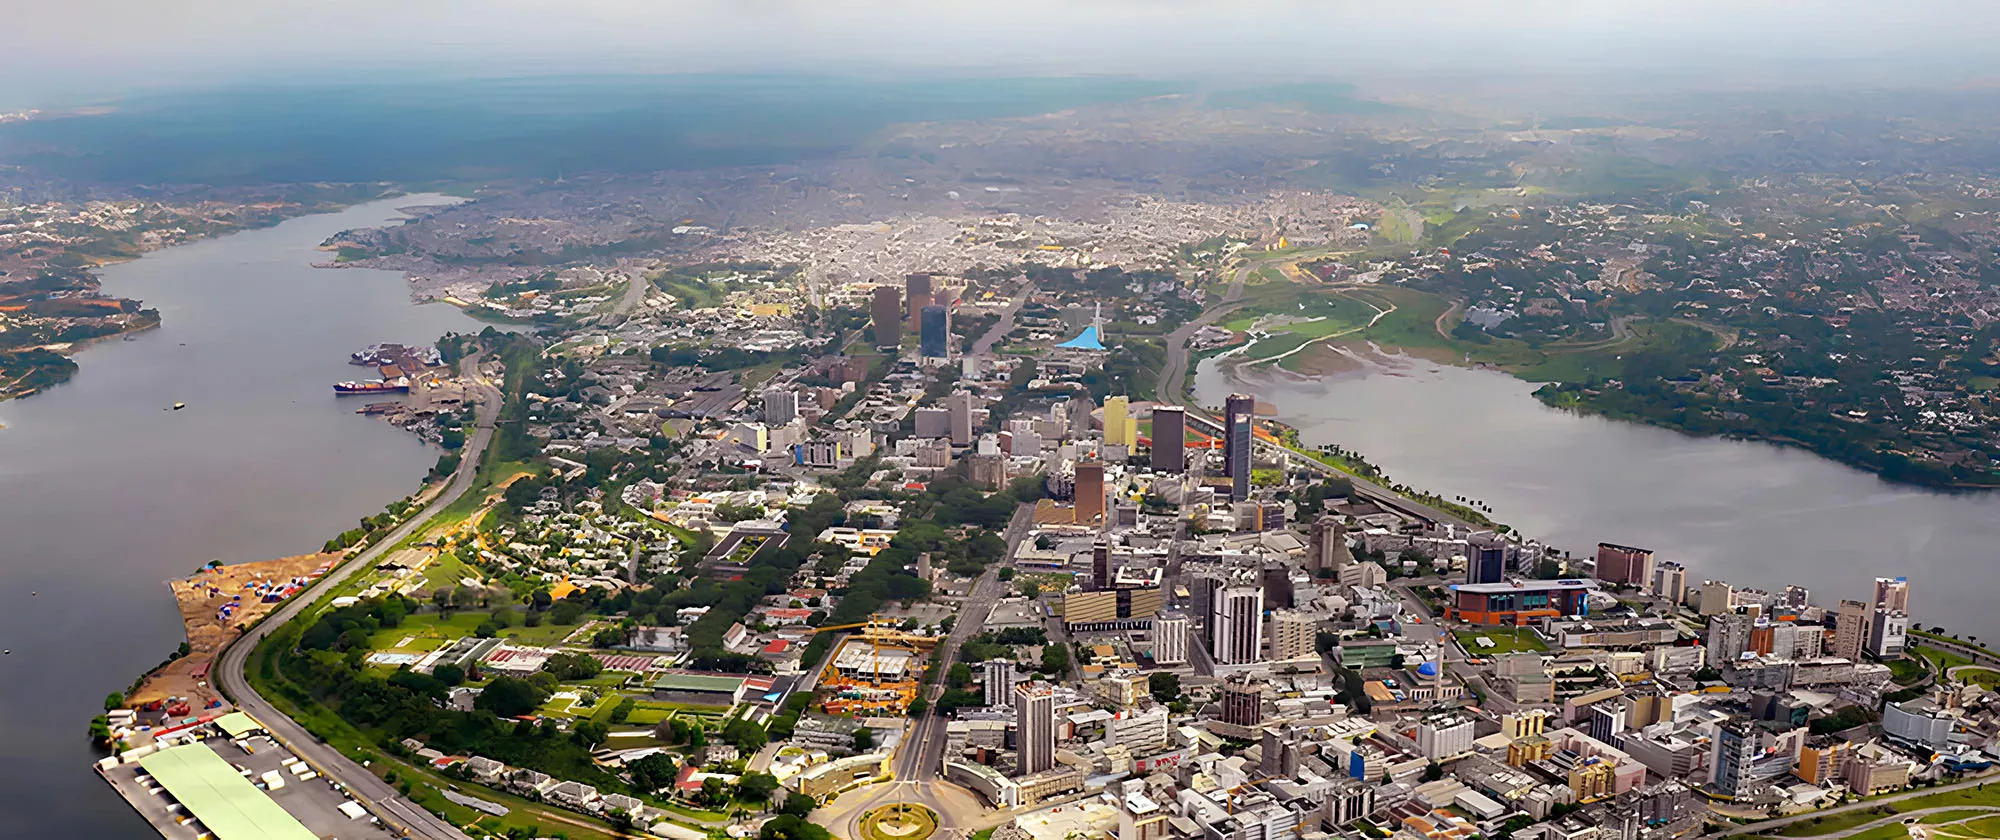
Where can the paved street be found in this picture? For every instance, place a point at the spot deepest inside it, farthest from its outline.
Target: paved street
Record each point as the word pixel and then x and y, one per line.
pixel 377 795
pixel 919 759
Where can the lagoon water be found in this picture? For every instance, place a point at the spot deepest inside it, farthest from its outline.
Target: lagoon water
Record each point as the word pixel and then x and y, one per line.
pixel 105 494
pixel 1754 514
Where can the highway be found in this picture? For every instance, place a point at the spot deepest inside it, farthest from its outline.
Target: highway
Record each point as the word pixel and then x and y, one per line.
pixel 376 794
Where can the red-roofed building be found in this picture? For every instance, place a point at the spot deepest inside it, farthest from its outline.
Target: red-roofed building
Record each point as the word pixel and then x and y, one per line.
pixel 776 647
pixel 782 616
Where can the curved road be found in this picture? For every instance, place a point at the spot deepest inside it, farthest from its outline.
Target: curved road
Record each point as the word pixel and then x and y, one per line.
pixel 1766 826
pixel 371 791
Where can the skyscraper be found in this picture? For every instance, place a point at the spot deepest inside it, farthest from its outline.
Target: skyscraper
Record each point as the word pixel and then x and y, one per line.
pixel 1888 632
pixel 935 335
pixel 1485 560
pixel 960 405
pixel 1327 549
pixel 1850 630
pixel 1169 439
pixel 1100 565
pixel 1115 411
pixel 781 406
pixel 1089 493
pixel 918 289
pixel 1170 639
pixel 1624 564
pixel 1242 703
pixel 887 313
pixel 1034 727
pixel 1292 634
pixel 1670 581
pixel 1239 625
pixel 1000 678
pixel 1735 751
pixel 1239 417
pixel 1892 594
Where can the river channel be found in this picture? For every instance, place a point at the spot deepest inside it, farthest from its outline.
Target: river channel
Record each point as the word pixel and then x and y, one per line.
pixel 1756 515
pixel 105 493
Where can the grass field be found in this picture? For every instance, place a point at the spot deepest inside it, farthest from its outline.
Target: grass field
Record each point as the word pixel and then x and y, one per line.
pixel 434 631
pixel 1504 641
pixel 1941 660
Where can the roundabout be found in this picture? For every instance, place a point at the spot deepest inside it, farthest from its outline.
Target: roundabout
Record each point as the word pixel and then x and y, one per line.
pixel 904 821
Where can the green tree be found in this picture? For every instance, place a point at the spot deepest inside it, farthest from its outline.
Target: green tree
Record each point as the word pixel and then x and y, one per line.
pixel 572 667
pixel 509 696
pixel 789 827
pixel 1166 686
pixel 1055 659
pixel 450 673
pixel 864 739
pixel 714 791
pixel 757 787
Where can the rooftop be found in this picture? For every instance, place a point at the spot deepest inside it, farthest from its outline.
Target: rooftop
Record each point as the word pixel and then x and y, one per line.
pixel 214 793
pixel 697 682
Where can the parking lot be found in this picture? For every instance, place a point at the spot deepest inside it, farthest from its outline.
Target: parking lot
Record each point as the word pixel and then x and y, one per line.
pixel 316 802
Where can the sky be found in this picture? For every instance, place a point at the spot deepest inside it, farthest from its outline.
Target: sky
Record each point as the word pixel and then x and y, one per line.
pixel 53 50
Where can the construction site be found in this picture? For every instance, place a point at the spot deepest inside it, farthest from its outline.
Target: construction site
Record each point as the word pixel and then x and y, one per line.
pixel 216 603
pixel 877 670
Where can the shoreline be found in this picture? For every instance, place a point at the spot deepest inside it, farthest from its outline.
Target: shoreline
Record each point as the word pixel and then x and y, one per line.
pixel 1352 363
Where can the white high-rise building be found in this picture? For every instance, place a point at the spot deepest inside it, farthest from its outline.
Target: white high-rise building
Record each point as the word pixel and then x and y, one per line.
pixel 1170 639
pixel 1445 736
pixel 1000 678
pixel 1888 632
pixel 1034 728
pixel 960 405
pixel 1239 625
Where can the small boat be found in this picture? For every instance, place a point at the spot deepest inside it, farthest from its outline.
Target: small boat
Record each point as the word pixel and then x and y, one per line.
pixel 180 405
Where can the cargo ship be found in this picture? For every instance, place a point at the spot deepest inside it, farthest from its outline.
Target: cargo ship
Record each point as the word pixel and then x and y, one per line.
pixel 373 386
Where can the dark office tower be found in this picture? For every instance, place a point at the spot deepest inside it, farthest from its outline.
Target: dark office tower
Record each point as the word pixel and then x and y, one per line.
pixel 1327 551
pixel 887 312
pixel 1169 439
pixel 918 287
pixel 935 337
pixel 1243 703
pixel 1100 565
pixel 1278 587
pixel 1239 417
pixel 1485 560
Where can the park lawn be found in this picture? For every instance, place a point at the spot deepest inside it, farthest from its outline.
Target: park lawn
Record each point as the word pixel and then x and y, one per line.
pixel 1515 641
pixel 1983 677
pixel 1892 831
pixel 1951 817
pixel 446 570
pixel 1906 671
pixel 1831 824
pixel 1941 660
pixel 435 631
pixel 1987 826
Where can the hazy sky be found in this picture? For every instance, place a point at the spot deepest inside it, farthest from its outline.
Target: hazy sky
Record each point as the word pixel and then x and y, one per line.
pixel 52 49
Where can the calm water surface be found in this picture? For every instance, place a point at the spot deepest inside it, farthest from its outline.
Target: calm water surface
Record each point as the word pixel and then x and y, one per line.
pixel 104 494
pixel 1753 514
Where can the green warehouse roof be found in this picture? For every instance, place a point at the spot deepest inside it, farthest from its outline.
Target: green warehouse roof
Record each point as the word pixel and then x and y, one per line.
pixel 213 792
pixel 238 724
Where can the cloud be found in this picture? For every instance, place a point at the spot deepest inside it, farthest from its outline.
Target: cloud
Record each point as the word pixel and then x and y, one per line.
pixel 53 46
